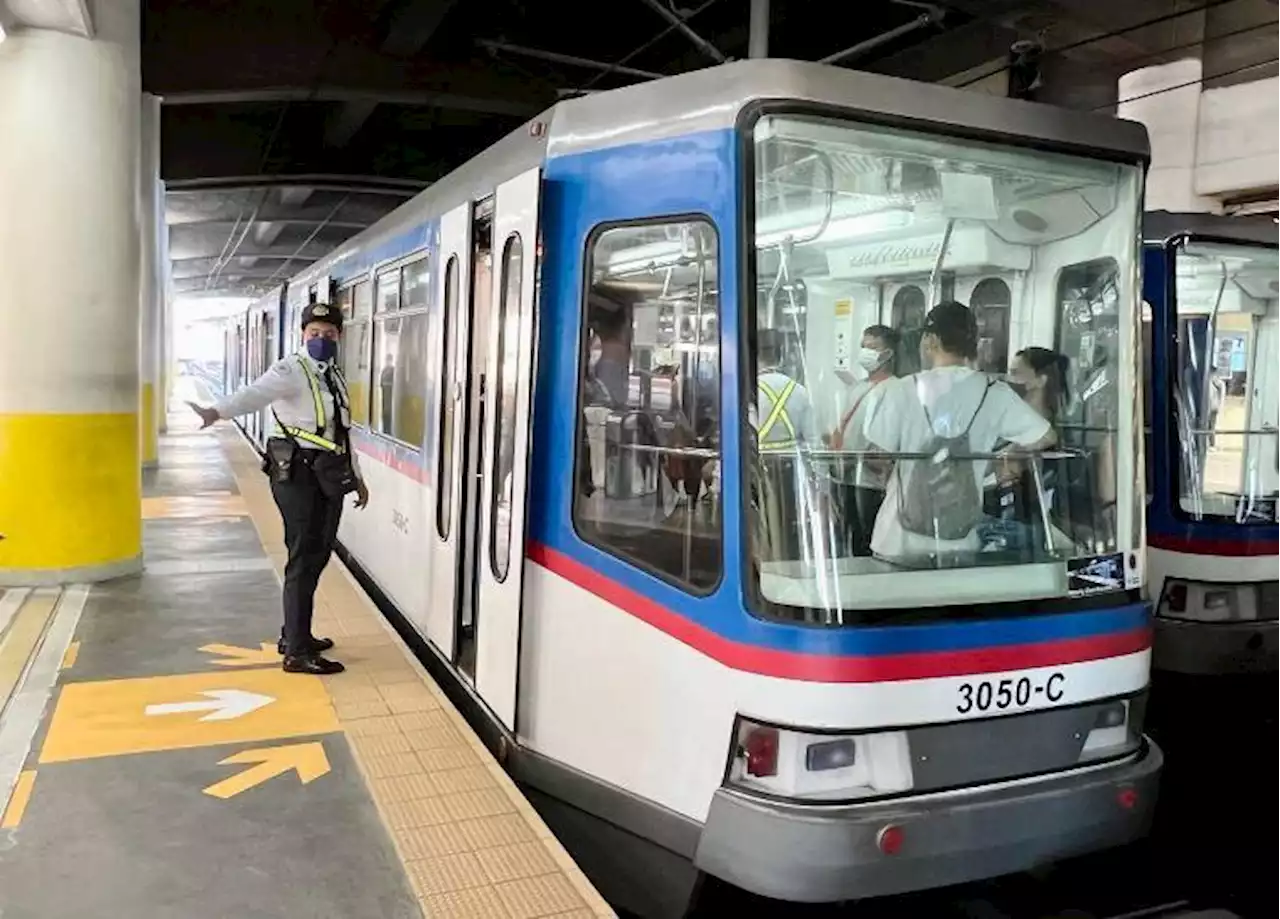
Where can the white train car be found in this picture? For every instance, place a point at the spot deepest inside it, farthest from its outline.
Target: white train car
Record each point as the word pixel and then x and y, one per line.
pixel 553 354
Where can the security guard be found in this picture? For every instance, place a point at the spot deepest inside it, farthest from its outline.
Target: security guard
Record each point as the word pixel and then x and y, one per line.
pixel 311 466
pixel 782 403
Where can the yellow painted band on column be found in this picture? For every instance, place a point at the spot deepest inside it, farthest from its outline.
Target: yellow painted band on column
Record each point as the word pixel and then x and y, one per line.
pixel 70 490
pixel 150 441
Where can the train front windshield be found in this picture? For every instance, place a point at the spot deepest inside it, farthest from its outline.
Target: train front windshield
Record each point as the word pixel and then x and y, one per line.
pixel 1225 388
pixel 905 460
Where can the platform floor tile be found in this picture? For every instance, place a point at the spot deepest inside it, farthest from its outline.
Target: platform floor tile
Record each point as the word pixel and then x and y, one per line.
pixel 471 843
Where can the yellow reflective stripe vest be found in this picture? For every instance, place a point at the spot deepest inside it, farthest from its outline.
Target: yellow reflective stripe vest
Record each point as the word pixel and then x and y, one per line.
pixel 776 414
pixel 310 436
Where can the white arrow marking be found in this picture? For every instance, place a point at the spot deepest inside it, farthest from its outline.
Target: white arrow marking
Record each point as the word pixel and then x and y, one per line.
pixel 222 705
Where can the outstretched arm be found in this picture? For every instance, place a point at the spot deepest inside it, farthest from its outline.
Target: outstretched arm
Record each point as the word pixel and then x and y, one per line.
pixel 276 383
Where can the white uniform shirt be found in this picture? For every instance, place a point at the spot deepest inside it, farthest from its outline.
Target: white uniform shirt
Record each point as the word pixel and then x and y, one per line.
pixel 285 388
pixel 898 425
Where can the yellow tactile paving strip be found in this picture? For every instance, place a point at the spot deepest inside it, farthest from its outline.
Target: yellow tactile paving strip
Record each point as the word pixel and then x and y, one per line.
pixel 215 504
pixel 471 844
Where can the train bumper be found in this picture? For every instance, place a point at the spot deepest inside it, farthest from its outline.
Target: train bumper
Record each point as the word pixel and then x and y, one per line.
pixel 807 853
pixel 1214 648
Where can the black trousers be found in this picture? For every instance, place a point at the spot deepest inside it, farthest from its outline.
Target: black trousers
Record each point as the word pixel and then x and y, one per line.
pixel 310 531
pixel 860 505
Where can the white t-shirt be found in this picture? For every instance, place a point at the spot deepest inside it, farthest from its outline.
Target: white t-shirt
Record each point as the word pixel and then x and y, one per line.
pixel 863 398
pixel 898 425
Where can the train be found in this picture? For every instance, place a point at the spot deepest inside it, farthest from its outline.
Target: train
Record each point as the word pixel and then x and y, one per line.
pixel 1213 331
pixel 662 630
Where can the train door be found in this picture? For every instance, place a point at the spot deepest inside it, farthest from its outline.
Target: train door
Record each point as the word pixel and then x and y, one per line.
pixel 460 248
pixel 492 348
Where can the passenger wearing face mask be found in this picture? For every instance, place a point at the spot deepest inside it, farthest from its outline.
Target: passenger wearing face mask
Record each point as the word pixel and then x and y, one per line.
pixel 311 466
pixel 864 479
pixel 1039 376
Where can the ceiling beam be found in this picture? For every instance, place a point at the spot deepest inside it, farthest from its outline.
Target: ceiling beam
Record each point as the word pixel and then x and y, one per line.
pixel 430 98
pixel 353 184
pixel 206 262
pixel 310 252
pixel 223 222
pixel 250 272
pixel 210 74
pixel 407 32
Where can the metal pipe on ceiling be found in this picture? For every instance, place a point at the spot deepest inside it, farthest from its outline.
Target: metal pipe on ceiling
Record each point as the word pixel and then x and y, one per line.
pixel 640 49
pixel 676 20
pixel 758 35
pixel 569 59
pixel 931 15
pixel 303 245
pixel 224 260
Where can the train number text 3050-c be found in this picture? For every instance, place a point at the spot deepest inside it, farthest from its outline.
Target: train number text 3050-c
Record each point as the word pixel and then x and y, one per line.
pixel 1014 692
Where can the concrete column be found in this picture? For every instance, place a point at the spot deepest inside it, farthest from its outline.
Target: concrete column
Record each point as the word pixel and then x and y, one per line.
pixel 70 506
pixel 150 282
pixel 1166 98
pixel 166 314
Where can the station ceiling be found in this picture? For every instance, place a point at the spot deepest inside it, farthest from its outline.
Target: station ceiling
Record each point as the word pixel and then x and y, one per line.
pixel 288 126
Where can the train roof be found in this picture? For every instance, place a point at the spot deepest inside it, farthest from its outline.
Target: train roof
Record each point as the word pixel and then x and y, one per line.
pixel 1160 226
pixel 715 99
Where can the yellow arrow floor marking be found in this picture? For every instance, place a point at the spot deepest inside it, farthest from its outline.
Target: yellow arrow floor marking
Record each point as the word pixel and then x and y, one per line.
pixel 233 656
pixel 307 759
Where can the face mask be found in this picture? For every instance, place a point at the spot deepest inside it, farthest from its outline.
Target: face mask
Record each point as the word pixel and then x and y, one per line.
pixel 322 349
pixel 870 360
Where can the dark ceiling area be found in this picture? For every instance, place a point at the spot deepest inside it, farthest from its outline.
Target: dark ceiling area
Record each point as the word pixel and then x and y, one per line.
pixel 411 88
pixel 288 125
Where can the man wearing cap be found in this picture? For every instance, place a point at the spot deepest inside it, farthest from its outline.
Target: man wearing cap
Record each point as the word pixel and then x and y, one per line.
pixel 308 398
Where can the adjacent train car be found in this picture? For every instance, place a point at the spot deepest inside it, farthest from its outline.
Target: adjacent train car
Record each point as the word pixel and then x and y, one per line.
pixel 553 356
pixel 259 338
pixel 1213 362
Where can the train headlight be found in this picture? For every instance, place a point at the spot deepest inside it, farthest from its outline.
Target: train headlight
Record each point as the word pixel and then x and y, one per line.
pixel 1116 731
pixel 1199 601
pixel 819 767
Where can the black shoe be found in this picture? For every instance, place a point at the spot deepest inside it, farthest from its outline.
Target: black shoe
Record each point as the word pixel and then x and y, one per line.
pixel 318 645
pixel 311 663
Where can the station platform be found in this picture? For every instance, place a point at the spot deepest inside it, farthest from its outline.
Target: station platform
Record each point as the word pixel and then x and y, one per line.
pixel 155 761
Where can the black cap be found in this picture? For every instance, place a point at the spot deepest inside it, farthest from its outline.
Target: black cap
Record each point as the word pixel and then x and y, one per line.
pixel 322 312
pixel 949 315
pixel 955 326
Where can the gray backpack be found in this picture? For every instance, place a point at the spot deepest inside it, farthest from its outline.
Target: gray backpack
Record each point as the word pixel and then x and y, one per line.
pixel 939 497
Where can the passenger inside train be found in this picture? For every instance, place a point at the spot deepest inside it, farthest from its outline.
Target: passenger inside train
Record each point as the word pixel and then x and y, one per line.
pixel 968 254
pixel 648 472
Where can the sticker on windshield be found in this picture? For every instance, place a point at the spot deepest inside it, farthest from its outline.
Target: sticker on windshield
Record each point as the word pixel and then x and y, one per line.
pixel 1095 573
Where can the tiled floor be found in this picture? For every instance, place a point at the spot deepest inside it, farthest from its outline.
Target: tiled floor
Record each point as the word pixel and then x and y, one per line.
pixel 472 844
pixel 359 795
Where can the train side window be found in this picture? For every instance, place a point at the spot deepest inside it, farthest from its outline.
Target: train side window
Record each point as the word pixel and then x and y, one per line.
pixel 648 439
pixel 448 406
pixel 388 300
pixel 413 370
pixel 357 341
pixel 386 348
pixel 505 387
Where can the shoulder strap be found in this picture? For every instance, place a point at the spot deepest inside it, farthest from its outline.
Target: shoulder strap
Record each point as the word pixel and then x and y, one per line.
pixel 981 402
pixel 848 416
pixel 915 387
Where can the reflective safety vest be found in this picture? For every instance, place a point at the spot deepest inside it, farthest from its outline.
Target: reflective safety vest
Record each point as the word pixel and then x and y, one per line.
pixel 311 437
pixel 777 412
